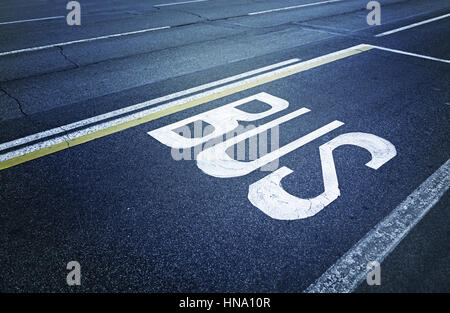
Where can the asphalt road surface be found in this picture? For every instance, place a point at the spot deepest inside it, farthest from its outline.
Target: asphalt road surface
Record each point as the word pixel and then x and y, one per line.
pixel 120 146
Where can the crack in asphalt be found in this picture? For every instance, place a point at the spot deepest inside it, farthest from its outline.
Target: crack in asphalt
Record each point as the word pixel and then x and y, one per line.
pixel 66 57
pixel 192 13
pixel 15 99
pixel 37 122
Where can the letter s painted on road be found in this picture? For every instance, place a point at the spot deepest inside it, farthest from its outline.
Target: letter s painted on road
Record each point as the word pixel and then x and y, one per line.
pixel 268 195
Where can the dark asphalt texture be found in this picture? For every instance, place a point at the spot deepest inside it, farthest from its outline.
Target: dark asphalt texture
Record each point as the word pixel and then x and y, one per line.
pixel 416 265
pixel 138 221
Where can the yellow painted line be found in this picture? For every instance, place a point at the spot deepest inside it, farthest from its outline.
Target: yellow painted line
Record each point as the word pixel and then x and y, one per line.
pixel 117 128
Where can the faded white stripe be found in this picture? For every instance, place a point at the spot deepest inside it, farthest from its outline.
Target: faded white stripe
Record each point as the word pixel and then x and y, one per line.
pixel 61 44
pixel 346 274
pixel 33 20
pixel 177 3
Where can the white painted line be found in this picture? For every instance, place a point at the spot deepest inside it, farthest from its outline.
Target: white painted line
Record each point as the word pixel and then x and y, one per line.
pixel 140 114
pixel 177 3
pixel 33 20
pixel 411 54
pixel 295 7
pixel 61 44
pixel 346 274
pixel 98 118
pixel 412 25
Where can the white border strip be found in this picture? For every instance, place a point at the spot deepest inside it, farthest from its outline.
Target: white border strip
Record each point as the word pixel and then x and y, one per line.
pixel 346 274
pixel 294 7
pixel 98 118
pixel 61 44
pixel 33 20
pixel 412 25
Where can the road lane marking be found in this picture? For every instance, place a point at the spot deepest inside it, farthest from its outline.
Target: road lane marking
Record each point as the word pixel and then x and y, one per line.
pixel 294 7
pixel 67 43
pixel 98 118
pixel 411 54
pixel 346 274
pixel 177 3
pixel 33 20
pixel 32 152
pixel 412 25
